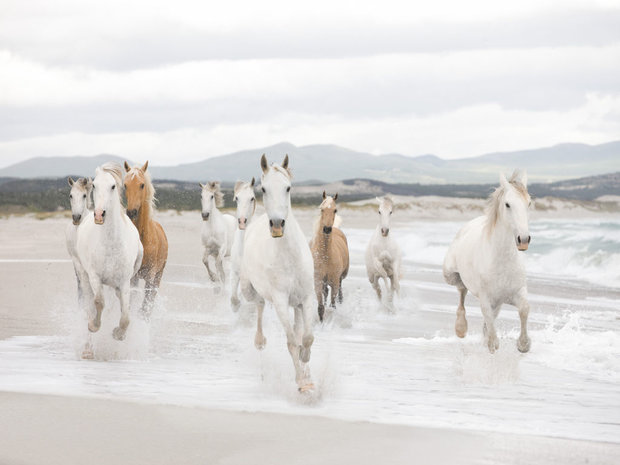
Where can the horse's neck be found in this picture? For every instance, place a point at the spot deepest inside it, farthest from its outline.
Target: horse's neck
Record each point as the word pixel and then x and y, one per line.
pixel 113 225
pixel 143 219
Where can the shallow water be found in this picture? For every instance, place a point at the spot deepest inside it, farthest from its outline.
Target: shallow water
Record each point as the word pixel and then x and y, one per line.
pixel 368 363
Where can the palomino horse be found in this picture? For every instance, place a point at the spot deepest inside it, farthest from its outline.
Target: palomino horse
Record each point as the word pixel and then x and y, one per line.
pixel 218 230
pixel 80 198
pixel 484 259
pixel 383 256
pixel 246 206
pixel 330 253
pixel 277 266
pixel 109 247
pixel 140 195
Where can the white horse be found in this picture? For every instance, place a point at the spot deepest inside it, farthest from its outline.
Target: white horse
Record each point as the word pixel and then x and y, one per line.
pixel 246 206
pixel 277 266
pixel 109 247
pixel 80 199
pixel 484 259
pixel 383 255
pixel 218 230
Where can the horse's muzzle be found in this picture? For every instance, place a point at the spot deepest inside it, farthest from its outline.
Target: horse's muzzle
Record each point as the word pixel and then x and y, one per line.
pixel 77 219
pixel 523 243
pixel 385 232
pixel 132 214
pixel 276 227
pixel 327 229
pixel 99 216
pixel 243 222
pixel 205 217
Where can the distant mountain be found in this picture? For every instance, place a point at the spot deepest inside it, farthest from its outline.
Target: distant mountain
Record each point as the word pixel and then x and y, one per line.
pixel 329 163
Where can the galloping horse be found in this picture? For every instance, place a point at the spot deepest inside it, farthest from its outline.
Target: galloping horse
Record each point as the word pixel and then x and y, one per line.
pixel 218 230
pixel 140 204
pixel 484 259
pixel 109 247
pixel 246 206
pixel 330 253
pixel 383 256
pixel 80 199
pixel 277 266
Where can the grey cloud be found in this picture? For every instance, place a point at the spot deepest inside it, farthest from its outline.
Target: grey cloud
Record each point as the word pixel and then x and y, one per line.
pixel 168 43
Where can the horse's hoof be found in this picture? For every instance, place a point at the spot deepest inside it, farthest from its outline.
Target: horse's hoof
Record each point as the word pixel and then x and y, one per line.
pixel 92 327
pixel 306 388
pixel 461 328
pixel 260 342
pixel 118 334
pixel 87 354
pixel 523 345
pixel 493 345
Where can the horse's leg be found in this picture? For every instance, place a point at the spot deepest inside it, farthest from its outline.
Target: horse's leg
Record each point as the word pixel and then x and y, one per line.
pixel 260 340
pixel 340 299
pixel 205 260
pixel 151 286
pixel 319 289
pixel 460 327
pixel 119 332
pixel 298 326
pixel 234 297
pixel 375 285
pixel 523 343
pixel 335 285
pixel 306 343
pixel 489 313
pixel 94 323
pixel 281 305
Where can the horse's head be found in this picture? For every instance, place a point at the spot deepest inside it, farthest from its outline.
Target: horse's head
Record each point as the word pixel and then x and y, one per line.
pixel 512 203
pixel 328 212
pixel 211 198
pixel 246 202
pixel 385 212
pixel 138 188
pixel 276 186
pixel 107 187
pixel 79 197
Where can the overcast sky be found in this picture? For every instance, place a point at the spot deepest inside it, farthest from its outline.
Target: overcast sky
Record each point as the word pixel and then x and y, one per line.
pixel 176 81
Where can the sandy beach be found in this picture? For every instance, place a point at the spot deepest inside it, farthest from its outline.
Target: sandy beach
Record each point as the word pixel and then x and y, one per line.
pixel 189 387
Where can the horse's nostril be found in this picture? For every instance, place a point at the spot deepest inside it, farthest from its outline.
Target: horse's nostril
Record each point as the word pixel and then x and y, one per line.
pixel 271 223
pixel 519 239
pixel 103 214
pixel 282 223
pixel 529 238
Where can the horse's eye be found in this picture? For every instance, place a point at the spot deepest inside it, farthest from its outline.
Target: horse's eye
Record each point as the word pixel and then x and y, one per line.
pixel 263 189
pixel 252 199
pixel 211 196
pixel 142 186
pixel 70 196
pixel 114 187
pixel 236 200
pixel 288 189
pixel 335 210
pixel 84 196
pixel 390 213
pixel 507 205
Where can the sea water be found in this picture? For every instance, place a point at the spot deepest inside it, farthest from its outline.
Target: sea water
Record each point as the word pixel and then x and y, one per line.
pixel 404 366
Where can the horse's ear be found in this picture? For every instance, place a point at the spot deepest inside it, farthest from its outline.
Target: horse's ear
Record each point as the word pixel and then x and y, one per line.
pixel 202 186
pixel 324 195
pixel 503 181
pixel 285 162
pixel 145 166
pixel 252 182
pixel 83 182
pixel 336 197
pixel 378 200
pixel 523 178
pixel 127 167
pixel 70 180
pixel 89 183
pixel 263 163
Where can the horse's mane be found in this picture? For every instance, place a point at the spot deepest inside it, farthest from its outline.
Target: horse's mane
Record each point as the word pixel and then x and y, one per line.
pixel 116 171
pixel 148 187
pixel 214 186
pixel 388 201
pixel 495 199
pixel 285 171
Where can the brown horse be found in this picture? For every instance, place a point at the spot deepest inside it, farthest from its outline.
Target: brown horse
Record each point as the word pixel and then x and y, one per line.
pixel 140 199
pixel 330 252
